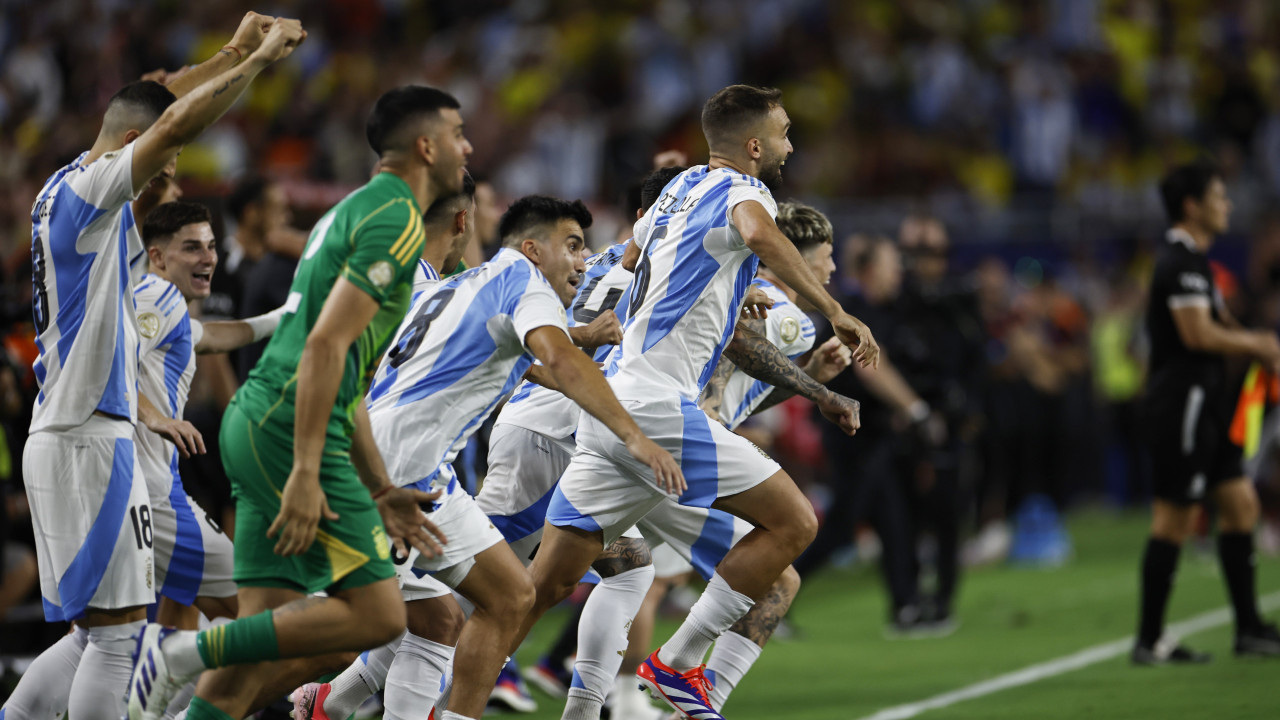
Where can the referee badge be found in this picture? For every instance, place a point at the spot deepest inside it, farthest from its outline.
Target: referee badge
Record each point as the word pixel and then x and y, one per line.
pixel 148 325
pixel 380 274
pixel 790 330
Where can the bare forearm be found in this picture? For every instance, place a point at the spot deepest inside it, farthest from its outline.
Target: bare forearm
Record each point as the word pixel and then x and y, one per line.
pixel 225 336
pixel 200 107
pixel 752 352
pixel 888 385
pixel 319 375
pixel 785 261
pixel 1227 341
pixel 581 381
pixel 365 454
pixel 198 75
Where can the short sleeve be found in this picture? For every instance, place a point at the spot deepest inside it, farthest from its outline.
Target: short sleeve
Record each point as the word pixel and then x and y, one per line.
pixel 748 188
pixel 386 247
pixel 105 183
pixel 154 325
pixel 197 332
pixel 795 330
pixel 538 307
pixel 1190 286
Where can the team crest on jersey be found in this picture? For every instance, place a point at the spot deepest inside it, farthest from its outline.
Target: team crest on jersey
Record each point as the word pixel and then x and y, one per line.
pixel 790 330
pixel 380 274
pixel 380 544
pixel 148 325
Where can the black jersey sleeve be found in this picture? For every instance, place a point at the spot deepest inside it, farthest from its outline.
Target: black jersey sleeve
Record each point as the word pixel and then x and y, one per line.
pixel 1185 281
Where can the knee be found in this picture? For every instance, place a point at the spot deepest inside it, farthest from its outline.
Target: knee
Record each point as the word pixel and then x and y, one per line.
pixel 439 622
pixel 1241 514
pixel 805 529
pixel 384 626
pixel 517 598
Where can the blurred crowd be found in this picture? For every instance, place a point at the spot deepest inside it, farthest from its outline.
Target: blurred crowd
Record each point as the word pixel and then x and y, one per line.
pixel 989 165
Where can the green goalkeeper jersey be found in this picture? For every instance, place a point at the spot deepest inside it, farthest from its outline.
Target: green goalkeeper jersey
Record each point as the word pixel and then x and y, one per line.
pixel 373 238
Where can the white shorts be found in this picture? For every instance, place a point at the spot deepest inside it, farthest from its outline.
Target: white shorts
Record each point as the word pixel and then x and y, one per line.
pixel 469 533
pixel 605 489
pixel 699 537
pixel 194 558
pixel 92 519
pixel 524 467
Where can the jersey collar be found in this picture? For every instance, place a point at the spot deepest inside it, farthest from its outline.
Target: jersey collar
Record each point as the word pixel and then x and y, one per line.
pixel 1182 237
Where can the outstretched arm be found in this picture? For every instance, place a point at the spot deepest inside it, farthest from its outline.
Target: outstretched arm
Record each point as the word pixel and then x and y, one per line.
pixel 248 38
pixel 580 380
pixel 225 336
pixel 774 249
pixel 752 352
pixel 199 108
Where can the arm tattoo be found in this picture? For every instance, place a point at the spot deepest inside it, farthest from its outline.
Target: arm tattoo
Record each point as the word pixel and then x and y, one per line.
pixel 713 395
pixel 758 624
pixel 622 555
pixel 227 85
pixel 762 360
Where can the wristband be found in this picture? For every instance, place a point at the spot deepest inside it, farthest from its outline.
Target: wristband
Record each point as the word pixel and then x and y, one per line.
pixel 264 325
pixel 383 491
pixel 234 49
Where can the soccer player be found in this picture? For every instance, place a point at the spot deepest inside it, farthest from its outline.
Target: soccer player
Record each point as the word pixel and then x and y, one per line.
pixel 193 556
pixel 87 495
pixel 700 245
pixel 465 344
pixel 297 445
pixel 1187 412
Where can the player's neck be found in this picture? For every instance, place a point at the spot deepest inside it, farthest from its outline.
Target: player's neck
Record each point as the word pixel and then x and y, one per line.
pixel 435 251
pixel 773 280
pixel 1203 238
pixel 415 176
pixel 720 161
pixel 102 146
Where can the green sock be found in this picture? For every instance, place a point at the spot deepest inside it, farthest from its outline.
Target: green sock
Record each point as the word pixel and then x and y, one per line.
pixel 202 710
pixel 251 639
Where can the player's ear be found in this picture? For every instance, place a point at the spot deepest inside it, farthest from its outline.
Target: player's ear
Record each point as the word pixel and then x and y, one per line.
pixel 460 221
pixel 155 257
pixel 532 250
pixel 131 135
pixel 754 149
pixel 425 148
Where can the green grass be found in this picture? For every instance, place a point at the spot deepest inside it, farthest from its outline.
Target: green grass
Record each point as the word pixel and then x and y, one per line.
pixel 841 667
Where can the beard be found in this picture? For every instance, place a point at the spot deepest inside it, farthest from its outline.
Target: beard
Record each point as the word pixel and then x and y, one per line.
pixel 771 174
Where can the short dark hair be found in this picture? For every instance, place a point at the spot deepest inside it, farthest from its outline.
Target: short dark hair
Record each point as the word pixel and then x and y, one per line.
pixel 735 110
pixel 867 254
pixel 143 101
pixel 651 188
pixel 398 107
pixel 804 226
pixel 169 218
pixel 449 205
pixel 529 216
pixel 248 191
pixel 1186 182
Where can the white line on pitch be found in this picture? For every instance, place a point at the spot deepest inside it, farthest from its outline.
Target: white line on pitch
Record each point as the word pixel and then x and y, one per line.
pixel 1065 664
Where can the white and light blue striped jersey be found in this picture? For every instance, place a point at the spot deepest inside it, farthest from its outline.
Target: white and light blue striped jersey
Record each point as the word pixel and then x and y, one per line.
pixel 458 352
pixel 423 275
pixel 83 243
pixel 167 361
pixel 689 285
pixel 791 331
pixel 605 286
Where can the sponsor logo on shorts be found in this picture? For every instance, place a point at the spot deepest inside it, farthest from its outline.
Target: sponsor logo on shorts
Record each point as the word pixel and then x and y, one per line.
pixel 380 543
pixel 148 325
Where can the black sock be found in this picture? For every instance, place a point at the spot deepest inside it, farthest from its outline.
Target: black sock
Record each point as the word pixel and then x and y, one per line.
pixel 1159 564
pixel 1235 552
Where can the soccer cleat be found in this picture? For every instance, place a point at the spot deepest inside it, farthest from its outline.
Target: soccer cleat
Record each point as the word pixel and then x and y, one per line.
pixel 511 692
pixel 686 692
pixel 1173 655
pixel 1263 641
pixel 152 686
pixel 308 701
pixel 549 679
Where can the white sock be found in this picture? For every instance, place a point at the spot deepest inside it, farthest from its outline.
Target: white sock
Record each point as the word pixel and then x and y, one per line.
pixel 416 678
pixel 455 716
pixel 443 703
pixel 45 687
pixel 182 654
pixel 97 693
pixel 715 612
pixel 730 660
pixel 181 701
pixel 602 638
pixel 364 677
pixel 182 714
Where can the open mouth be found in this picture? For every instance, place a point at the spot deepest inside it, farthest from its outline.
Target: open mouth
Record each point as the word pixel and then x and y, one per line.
pixel 205 277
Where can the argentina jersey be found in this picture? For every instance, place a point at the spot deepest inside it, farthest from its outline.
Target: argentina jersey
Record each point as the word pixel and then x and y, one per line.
pixel 167 364
pixel 605 286
pixel 791 331
pixel 83 244
pixel 459 350
pixel 423 276
pixel 693 274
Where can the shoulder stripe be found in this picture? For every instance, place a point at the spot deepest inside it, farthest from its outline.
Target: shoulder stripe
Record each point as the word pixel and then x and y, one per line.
pixel 410 231
pixel 370 216
pixel 405 249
